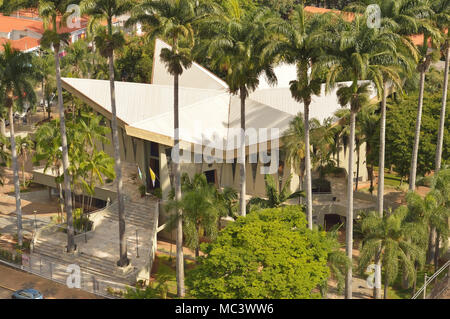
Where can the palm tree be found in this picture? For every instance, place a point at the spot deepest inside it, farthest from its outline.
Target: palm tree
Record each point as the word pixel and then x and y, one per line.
pixel 107 41
pixel 337 260
pixel 427 56
pixel 48 149
pixel 442 10
pixel 201 211
pixel 392 233
pixel 299 44
pixel 293 141
pixel 24 147
pixel 45 70
pixel 236 41
pixel 352 51
pixel 174 20
pixel 16 87
pixel 275 197
pixel 50 10
pixel 440 215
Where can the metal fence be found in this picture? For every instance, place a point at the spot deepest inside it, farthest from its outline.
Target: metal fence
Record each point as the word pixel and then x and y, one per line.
pixel 71 276
pixel 85 269
pixel 443 274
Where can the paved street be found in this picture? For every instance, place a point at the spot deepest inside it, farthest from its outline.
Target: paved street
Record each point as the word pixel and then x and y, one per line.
pixel 5 293
pixel 16 279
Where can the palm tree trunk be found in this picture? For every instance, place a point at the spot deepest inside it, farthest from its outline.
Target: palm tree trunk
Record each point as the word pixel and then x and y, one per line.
pixel 431 241
pixel 413 171
pixel 61 200
pixel 242 92
pixel 65 155
pixel 371 178
pixel 440 139
pixel 24 158
pixel 2 127
pixel 380 194
pixel 357 167
pixel 180 257
pixel 308 166
pixel 349 224
pixel 16 177
pixel 436 251
pixel 123 256
pixel 386 285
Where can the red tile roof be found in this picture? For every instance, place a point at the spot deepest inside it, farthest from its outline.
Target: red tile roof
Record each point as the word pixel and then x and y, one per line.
pixel 9 23
pixel 417 39
pixel 347 15
pixel 23 44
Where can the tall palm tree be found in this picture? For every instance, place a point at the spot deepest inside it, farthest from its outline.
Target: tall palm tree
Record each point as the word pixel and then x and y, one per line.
pixel 425 25
pixel 442 10
pixel 298 43
pixel 51 11
pixel 174 21
pixel 24 147
pixel 352 50
pixel 236 41
pixel 16 87
pixel 107 41
pixel 392 232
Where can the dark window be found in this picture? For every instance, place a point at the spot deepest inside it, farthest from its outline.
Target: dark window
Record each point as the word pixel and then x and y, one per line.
pixel 321 185
pixel 211 176
pixel 154 149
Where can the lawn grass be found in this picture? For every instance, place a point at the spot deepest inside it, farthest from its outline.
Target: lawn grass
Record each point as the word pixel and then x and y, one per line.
pixel 391 180
pixel 396 291
pixel 167 267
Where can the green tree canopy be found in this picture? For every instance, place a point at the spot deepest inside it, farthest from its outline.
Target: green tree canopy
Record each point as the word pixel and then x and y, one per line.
pixel 401 119
pixel 268 254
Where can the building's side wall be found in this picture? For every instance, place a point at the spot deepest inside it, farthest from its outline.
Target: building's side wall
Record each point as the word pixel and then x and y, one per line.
pixel 224 171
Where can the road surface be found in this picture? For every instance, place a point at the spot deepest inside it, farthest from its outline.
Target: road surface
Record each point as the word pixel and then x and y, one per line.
pixel 12 279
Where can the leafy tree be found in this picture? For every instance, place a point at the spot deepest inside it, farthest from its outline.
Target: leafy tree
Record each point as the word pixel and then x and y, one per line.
pixel 268 254
pixel 16 73
pixel 134 61
pixel 399 134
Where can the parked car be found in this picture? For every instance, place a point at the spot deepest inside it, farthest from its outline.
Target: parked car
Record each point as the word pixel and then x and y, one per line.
pixel 27 294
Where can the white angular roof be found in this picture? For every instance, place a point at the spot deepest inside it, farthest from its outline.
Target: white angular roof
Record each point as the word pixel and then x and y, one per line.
pixel 206 108
pixel 279 96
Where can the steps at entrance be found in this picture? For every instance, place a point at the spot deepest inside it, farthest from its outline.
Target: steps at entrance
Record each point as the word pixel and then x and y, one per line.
pixel 92 264
pixel 136 214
